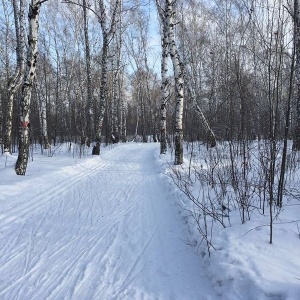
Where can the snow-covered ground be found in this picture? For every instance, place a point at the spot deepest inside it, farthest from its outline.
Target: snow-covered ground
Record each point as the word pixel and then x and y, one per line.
pixel 95 228
pixel 111 227
pixel 244 265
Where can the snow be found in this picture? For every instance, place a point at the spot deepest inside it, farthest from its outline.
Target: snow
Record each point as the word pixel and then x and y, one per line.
pixel 116 227
pixel 245 266
pixel 95 228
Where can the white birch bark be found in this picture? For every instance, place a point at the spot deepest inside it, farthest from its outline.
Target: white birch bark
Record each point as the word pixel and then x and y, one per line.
pixel 165 93
pixel 107 34
pixel 202 119
pixel 117 77
pixel 164 81
pixel 103 86
pixel 17 78
pixel 296 139
pixel 179 82
pixel 123 107
pixel 122 102
pixel 115 68
pixel 30 72
pixel 43 114
pixel 123 120
pixel 89 103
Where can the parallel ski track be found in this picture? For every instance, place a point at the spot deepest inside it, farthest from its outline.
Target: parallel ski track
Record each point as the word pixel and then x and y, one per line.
pixel 42 198
pixel 93 240
pixel 96 235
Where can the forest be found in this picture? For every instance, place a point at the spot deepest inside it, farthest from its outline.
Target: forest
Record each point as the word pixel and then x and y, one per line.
pixel 98 77
pixel 220 72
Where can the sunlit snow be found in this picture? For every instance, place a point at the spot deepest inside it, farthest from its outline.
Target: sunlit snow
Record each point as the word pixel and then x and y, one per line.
pixel 112 227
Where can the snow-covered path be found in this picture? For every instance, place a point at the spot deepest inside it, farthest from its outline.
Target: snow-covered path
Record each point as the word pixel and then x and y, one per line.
pixel 103 229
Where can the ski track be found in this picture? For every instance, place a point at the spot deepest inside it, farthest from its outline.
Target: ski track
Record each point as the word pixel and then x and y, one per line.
pixel 110 232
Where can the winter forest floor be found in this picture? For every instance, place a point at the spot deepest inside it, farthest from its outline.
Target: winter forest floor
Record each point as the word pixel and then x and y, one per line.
pixel 100 228
pixel 110 227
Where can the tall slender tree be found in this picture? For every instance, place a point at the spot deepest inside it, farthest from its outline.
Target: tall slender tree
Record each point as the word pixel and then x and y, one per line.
pixel 17 78
pixel 296 139
pixel 165 84
pixel 89 102
pixel 30 72
pixel 179 80
pixel 108 30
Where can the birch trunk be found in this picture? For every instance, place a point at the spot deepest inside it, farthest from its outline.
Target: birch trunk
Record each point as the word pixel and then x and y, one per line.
pixel 207 128
pixel 89 103
pixel 179 82
pixel 32 53
pixel 43 113
pixel 115 68
pixel 164 80
pixel 107 34
pixel 44 125
pixel 123 110
pixel 296 140
pixel 103 86
pixel 202 119
pixel 17 78
pixel 117 79
pixel 164 88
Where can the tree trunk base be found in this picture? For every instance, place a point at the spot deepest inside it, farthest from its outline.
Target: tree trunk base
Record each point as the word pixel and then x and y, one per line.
pixel 178 147
pixel 96 149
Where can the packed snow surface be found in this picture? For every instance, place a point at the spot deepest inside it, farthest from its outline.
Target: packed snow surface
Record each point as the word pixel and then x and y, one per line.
pixel 103 227
pixel 116 227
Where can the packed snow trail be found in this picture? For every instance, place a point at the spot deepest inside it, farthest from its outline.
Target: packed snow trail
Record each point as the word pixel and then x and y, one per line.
pixel 108 231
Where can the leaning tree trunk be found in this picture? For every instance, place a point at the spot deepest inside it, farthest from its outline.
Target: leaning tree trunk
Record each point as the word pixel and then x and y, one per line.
pixel 179 82
pixel 16 81
pixel 32 52
pixel 205 125
pixel 296 139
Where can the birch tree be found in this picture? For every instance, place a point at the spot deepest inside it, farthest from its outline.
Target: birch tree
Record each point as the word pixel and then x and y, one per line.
pixel 165 84
pixel 42 97
pixel 89 104
pixel 108 31
pixel 29 76
pixel 16 80
pixel 123 113
pixel 179 81
pixel 166 14
pixel 164 80
pixel 116 74
pixel 296 140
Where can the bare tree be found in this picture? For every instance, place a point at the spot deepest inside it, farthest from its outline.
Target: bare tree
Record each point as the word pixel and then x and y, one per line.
pixel 42 93
pixel 108 30
pixel 17 78
pixel 89 103
pixel 165 84
pixel 296 139
pixel 116 74
pixel 167 13
pixel 168 18
pixel 32 52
